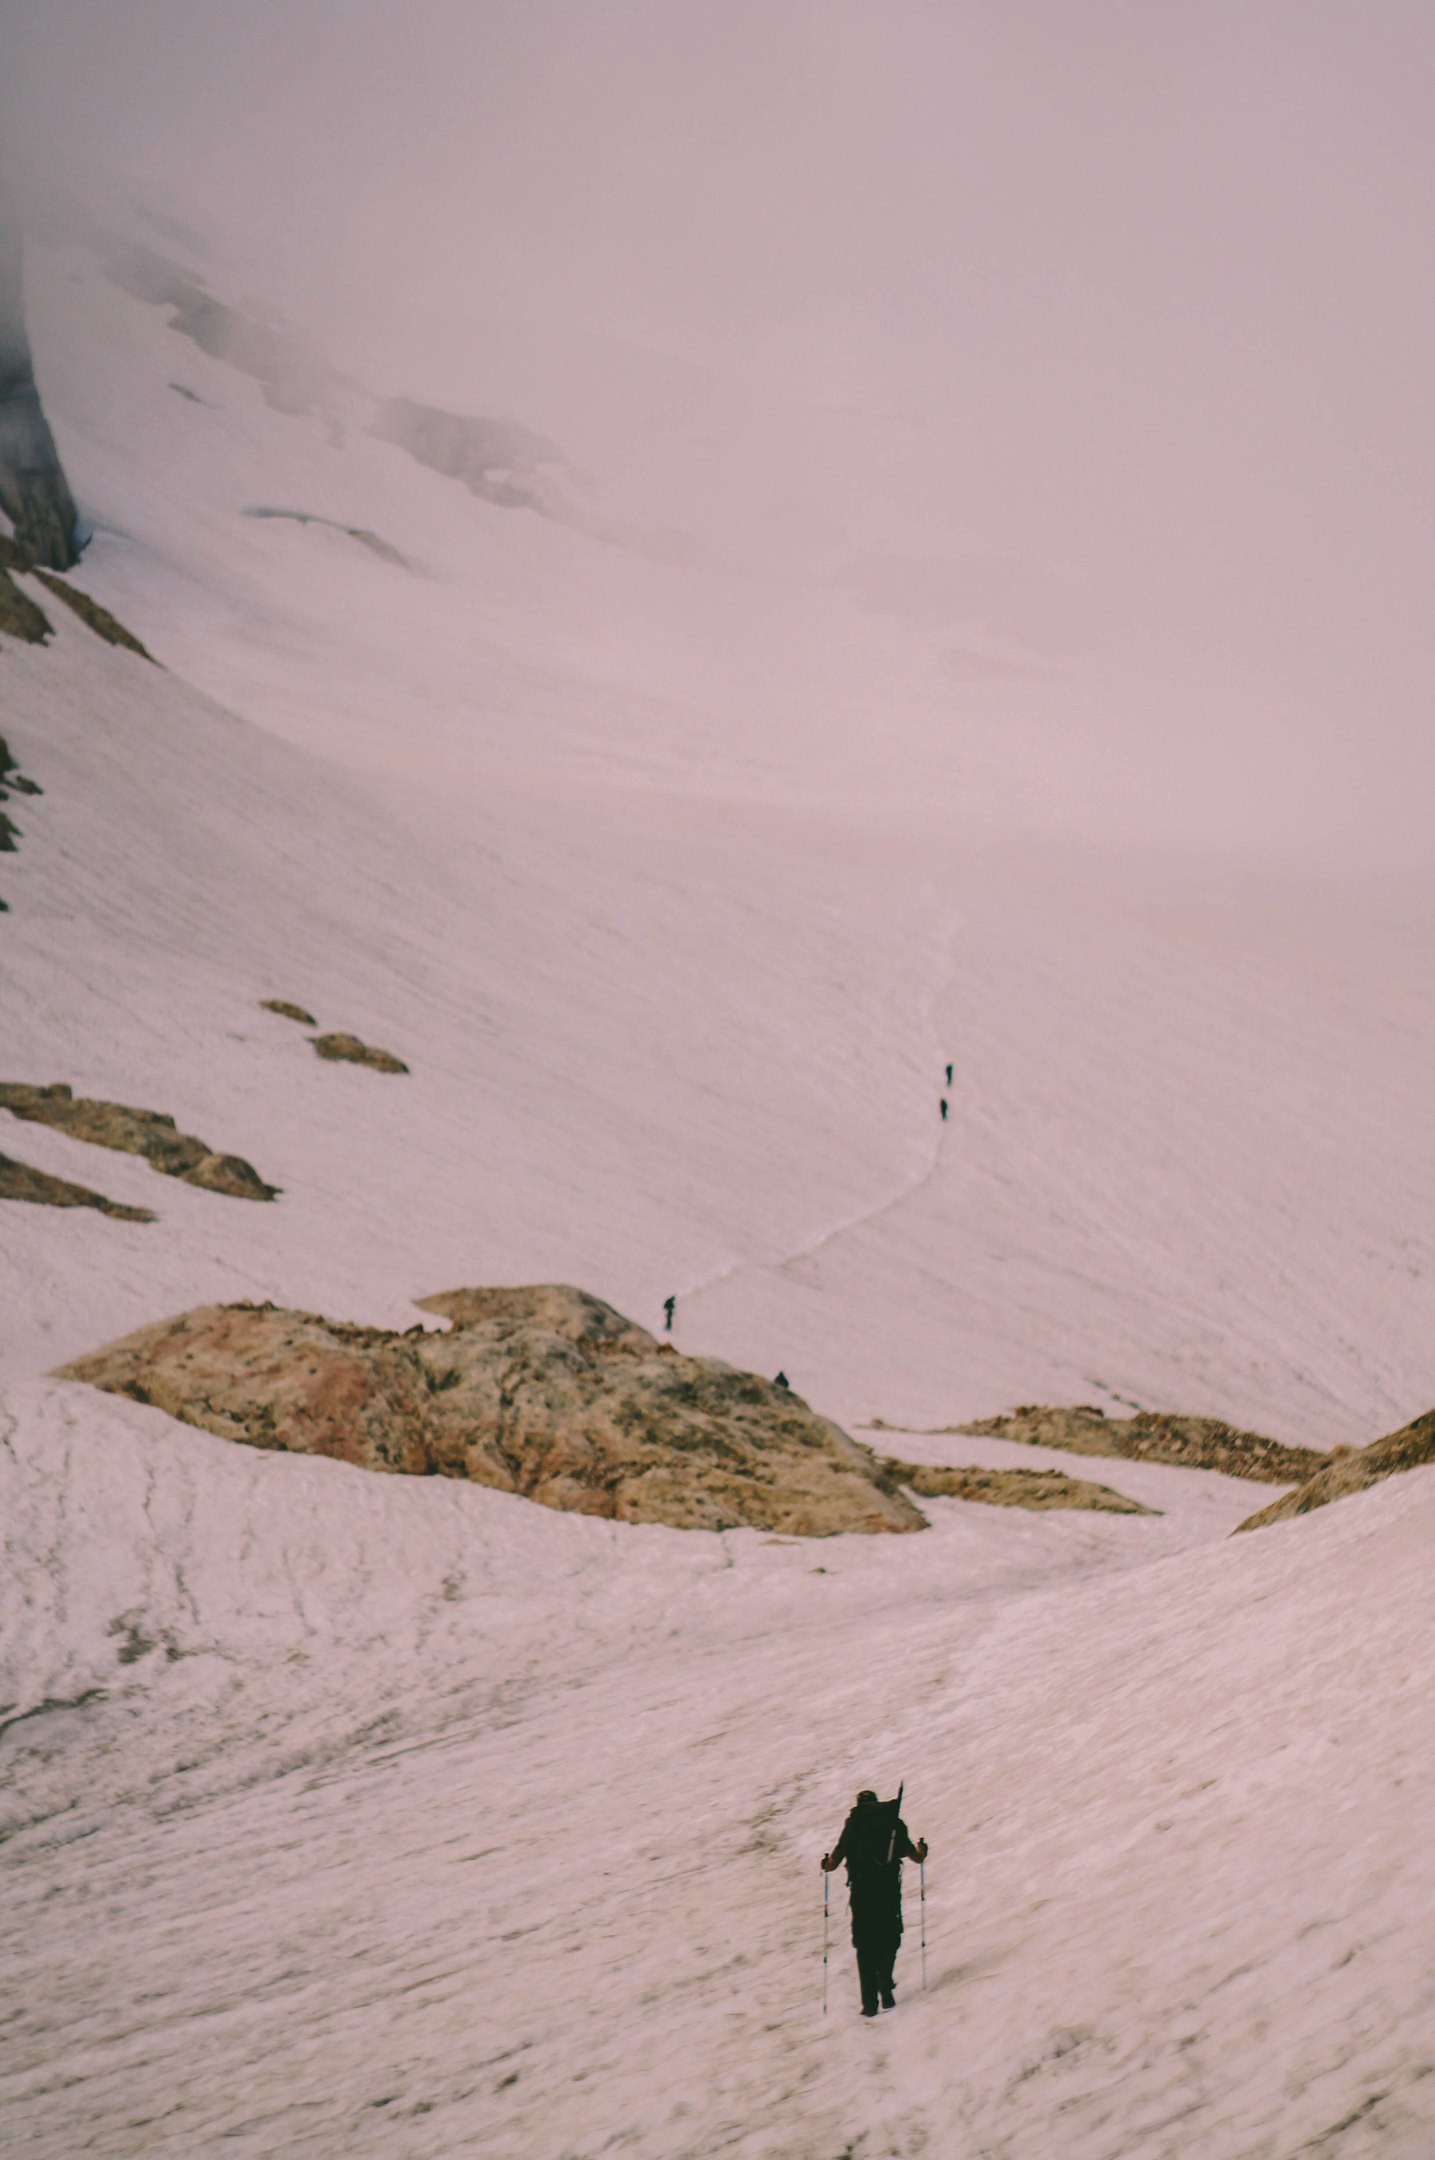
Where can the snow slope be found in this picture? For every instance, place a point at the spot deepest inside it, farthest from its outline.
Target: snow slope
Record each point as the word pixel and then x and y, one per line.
pixel 426 1822
pixel 352 1815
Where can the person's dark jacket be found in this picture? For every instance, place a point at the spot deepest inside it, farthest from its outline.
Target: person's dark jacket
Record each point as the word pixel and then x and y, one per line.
pixel 874 1843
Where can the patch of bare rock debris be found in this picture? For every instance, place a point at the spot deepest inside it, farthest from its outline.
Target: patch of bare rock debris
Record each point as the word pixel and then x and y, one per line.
pixel 1352 1470
pixel 337 1048
pixel 22 617
pixel 150 1133
pixel 1039 1489
pixel 1160 1436
pixel 543 1391
pixel 93 616
pixel 12 782
pixel 19 1181
pixel 350 1051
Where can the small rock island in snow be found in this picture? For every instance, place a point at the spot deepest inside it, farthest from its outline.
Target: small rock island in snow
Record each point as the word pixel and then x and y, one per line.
pixel 543 1391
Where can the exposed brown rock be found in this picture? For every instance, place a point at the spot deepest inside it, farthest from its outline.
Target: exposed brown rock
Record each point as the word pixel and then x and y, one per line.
pixel 23 617
pixel 543 1391
pixel 351 1051
pixel 555 1307
pixel 18 1181
pixel 1193 1443
pixel 96 618
pixel 136 1132
pixel 1010 1488
pixel 1352 1470
pixel 20 616
pixel 288 1011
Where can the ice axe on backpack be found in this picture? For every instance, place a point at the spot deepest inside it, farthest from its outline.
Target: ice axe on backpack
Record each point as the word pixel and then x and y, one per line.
pixel 896 1806
pixel 891 1856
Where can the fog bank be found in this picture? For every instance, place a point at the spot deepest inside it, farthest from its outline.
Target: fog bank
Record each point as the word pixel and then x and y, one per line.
pixel 1103 336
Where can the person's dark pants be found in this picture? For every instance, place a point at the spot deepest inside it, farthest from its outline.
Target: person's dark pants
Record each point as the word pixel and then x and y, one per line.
pixel 876 1955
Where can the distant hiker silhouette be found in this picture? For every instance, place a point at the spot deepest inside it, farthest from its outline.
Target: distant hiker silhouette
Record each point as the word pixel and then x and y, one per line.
pixel 670 1305
pixel 949 1076
pixel 874 1843
pixel 782 1381
pixel 943 1107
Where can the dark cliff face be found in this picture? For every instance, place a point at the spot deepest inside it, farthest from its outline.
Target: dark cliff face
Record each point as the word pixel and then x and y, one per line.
pixel 34 493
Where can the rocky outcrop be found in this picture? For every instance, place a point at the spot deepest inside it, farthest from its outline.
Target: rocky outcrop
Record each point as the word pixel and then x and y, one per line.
pixel 373 541
pixel 552 1308
pixel 12 782
pixel 23 617
pixel 1161 1436
pixel 497 459
pixel 136 1132
pixel 544 1391
pixel 93 616
pixel 20 616
pixel 1038 1489
pixel 337 1048
pixel 18 1181
pixel 348 1050
pixel 34 493
pixel 293 379
pixel 1353 1470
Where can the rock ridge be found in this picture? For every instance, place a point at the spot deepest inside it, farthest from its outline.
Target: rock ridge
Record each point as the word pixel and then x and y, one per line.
pixel 543 1391
pixel 1353 1470
pixel 1160 1436
pixel 38 1188
pixel 1037 1489
pixel 151 1133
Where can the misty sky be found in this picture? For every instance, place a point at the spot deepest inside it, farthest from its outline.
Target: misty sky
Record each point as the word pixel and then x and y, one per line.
pixel 1158 275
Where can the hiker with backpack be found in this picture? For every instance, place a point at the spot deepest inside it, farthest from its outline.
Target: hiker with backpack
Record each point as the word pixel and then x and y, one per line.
pixel 874 1843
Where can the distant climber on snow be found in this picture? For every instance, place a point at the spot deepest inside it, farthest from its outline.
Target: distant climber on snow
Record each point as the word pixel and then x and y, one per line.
pixel 670 1306
pixel 949 1075
pixel 943 1108
pixel 874 1843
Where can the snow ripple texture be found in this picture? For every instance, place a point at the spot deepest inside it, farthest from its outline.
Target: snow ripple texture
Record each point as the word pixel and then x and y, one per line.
pixel 342 1818
pixel 346 1815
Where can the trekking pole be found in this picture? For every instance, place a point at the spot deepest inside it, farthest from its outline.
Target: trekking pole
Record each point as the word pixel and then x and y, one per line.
pixel 922 1871
pixel 825 1880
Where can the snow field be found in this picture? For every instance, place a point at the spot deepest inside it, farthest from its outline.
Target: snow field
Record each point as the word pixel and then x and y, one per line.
pixel 353 1815
pixel 437 1822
